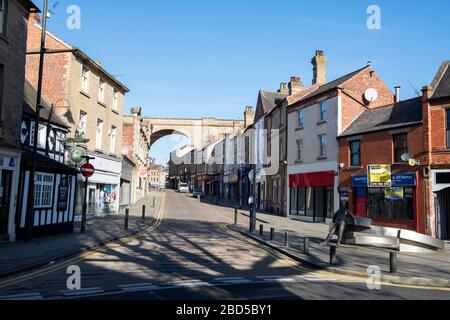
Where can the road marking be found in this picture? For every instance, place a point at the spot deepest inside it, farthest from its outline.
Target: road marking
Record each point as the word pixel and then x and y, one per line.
pixel 84 256
pixel 122 286
pixel 138 287
pixel 23 297
pixel 81 292
pixel 228 278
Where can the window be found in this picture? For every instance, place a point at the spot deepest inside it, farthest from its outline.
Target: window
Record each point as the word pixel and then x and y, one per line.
pixel 99 135
pixel 323 142
pixel 447 113
pixel 400 146
pixel 42 136
pixel 83 122
pixel 115 100
pixel 355 153
pixel 301 119
pixel 300 150
pixel 101 91
pixel 85 79
pixel 43 191
pixel 112 142
pixel 2 16
pixel 323 111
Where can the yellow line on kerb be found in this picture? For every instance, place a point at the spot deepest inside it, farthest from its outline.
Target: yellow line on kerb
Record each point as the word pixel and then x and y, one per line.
pixel 83 256
pixel 361 279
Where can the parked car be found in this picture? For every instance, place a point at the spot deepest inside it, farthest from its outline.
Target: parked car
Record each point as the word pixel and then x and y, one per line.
pixel 198 193
pixel 183 188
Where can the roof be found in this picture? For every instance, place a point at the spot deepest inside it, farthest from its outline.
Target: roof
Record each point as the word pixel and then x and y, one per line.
pixel 270 100
pixel 47 113
pixel 30 6
pixel 401 114
pixel 441 82
pixel 333 84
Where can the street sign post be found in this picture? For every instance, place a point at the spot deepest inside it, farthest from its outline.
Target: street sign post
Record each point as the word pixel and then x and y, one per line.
pixel 87 171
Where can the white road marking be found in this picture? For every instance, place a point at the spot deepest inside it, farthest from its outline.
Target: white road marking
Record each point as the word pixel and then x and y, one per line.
pixel 82 292
pixel 23 297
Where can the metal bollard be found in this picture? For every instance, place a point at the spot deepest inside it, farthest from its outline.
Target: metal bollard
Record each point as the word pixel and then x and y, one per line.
pixel 154 202
pixel 286 239
pixel 143 213
pixel 261 230
pixel 236 216
pixel 127 216
pixel 199 199
pixel 333 255
pixel 306 246
pixel 393 262
pixel 272 234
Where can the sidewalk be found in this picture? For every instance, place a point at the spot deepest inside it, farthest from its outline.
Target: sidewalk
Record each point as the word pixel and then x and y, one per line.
pixel 19 257
pixel 413 269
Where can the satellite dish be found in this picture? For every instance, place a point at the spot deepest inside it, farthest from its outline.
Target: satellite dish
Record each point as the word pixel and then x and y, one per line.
pixel 407 156
pixel 371 95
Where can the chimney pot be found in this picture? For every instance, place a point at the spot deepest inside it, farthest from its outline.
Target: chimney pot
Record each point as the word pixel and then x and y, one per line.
pixel 397 93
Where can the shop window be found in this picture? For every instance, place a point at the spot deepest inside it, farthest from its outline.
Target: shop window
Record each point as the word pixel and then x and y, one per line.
pixel 383 207
pixel 43 190
pixel 400 146
pixel 355 153
pixel 309 202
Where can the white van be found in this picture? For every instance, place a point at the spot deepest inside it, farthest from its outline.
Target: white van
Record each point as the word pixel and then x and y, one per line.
pixel 183 188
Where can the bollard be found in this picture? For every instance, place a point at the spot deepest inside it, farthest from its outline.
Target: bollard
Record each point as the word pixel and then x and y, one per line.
pixel 199 199
pixel 286 239
pixel 272 234
pixel 154 202
pixel 332 255
pixel 393 262
pixel 261 230
pixel 143 213
pixel 127 215
pixel 306 246
pixel 236 216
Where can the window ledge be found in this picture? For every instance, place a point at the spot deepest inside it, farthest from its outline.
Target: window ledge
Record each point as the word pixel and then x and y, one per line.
pixel 300 129
pixel 322 122
pixel 299 161
pixel 116 112
pixel 355 168
pixel 102 104
pixel 322 158
pixel 85 94
pixel 99 151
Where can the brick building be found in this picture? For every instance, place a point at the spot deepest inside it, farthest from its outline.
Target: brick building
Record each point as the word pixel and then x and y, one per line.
pixel 136 147
pixel 316 117
pixel 417 128
pixel 91 102
pixel 13 38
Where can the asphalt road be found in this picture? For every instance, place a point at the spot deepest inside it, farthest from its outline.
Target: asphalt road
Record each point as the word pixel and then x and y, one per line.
pixel 190 254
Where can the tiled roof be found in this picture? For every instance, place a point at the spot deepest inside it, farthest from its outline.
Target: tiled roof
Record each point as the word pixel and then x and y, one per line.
pixel 270 100
pixel 401 114
pixel 441 83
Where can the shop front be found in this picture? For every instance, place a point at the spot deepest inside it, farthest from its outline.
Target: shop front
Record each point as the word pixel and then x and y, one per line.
pixel 394 206
pixel 312 196
pixel 441 190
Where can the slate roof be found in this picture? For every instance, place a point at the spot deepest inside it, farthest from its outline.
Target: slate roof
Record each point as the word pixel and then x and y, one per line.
pixel 401 114
pixel 441 82
pixel 270 100
pixel 29 107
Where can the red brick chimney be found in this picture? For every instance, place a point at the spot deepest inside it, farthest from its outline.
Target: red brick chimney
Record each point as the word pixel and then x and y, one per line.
pixel 295 86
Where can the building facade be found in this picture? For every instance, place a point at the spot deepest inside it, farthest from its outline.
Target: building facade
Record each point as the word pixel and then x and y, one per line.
pixel 13 38
pixel 91 102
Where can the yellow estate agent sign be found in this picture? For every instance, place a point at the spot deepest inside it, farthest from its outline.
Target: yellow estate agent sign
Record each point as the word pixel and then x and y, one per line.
pixel 379 176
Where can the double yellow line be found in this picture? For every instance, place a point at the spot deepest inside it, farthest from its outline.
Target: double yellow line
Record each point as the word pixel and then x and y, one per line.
pixel 83 256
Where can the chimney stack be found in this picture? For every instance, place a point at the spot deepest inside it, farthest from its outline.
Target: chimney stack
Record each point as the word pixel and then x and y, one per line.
pixel 319 63
pixel 249 116
pixel 283 89
pixel 397 94
pixel 295 86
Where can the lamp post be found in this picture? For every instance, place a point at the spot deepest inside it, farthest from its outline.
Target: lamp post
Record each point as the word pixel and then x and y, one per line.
pixel 29 219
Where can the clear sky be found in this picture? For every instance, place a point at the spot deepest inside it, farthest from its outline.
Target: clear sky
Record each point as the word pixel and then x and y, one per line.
pixel 198 58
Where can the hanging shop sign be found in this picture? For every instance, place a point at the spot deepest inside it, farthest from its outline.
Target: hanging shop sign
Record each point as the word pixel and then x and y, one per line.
pixel 78 156
pixel 379 176
pixel 395 193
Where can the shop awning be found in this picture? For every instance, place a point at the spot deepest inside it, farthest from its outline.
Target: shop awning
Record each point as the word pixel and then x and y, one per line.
pixel 312 179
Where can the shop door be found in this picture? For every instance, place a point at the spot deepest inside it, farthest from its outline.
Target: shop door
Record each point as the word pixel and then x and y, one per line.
pixel 445 214
pixel 5 200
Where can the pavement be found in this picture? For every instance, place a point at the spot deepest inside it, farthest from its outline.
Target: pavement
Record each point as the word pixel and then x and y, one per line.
pixel 189 252
pixel 19 257
pixel 413 269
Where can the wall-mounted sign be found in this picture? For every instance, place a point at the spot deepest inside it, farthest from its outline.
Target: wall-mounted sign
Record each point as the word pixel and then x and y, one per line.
pixel 379 176
pixel 394 193
pixel 398 180
pixel 63 194
pixel 77 156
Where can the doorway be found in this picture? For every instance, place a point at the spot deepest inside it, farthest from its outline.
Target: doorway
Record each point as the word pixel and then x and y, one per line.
pixel 5 200
pixel 444 214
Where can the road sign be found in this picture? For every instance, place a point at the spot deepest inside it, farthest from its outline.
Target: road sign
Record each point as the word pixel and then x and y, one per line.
pixel 379 176
pixel 87 170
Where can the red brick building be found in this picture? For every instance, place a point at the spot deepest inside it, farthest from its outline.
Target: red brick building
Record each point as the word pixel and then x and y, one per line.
pixel 419 195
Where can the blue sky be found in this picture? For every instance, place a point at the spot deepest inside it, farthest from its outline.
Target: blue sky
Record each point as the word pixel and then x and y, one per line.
pixel 202 58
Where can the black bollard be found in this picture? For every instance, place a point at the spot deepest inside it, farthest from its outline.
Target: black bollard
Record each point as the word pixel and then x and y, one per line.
pixel 286 239
pixel 236 216
pixel 127 216
pixel 143 213
pixel 272 234
pixel 261 230
pixel 332 255
pixel 306 246
pixel 393 262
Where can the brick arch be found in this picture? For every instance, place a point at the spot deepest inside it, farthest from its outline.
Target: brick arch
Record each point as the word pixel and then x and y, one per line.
pixel 159 134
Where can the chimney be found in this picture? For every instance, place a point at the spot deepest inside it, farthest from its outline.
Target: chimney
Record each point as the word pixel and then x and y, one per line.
pixel 283 89
pixel 319 63
pixel 136 111
pixel 397 94
pixel 295 86
pixel 249 116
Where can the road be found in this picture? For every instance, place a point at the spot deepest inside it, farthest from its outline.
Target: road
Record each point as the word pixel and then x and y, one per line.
pixel 189 253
